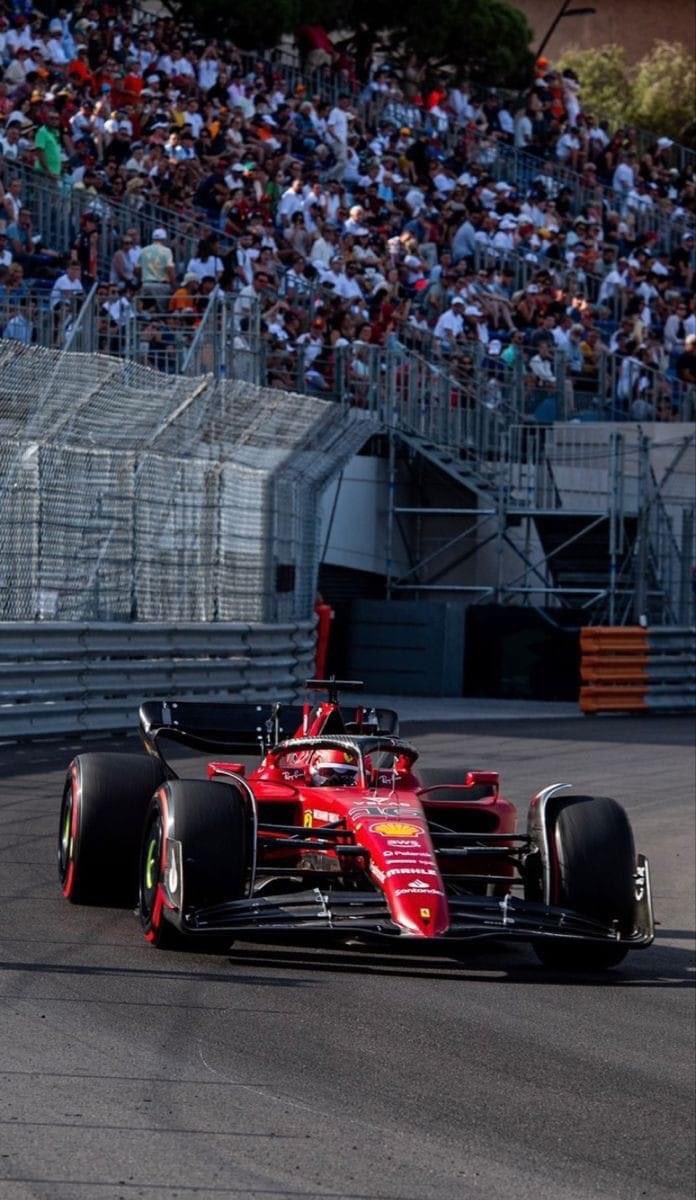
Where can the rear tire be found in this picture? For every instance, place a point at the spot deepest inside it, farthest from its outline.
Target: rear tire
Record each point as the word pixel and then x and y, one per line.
pixel 211 822
pixel 105 799
pixel 596 861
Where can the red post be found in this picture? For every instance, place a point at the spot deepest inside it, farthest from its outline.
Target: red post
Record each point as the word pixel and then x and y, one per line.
pixel 325 616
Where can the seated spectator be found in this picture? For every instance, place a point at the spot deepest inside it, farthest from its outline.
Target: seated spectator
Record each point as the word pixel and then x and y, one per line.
pixel 67 286
pixel 686 362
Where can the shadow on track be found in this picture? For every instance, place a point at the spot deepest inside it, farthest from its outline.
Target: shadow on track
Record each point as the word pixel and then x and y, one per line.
pixel 660 967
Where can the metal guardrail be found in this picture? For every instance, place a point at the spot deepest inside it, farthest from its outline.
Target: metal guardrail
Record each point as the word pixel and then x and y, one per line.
pixel 78 677
pixel 632 669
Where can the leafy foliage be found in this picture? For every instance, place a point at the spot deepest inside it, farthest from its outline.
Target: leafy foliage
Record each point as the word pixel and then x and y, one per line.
pixel 664 88
pixel 488 40
pixel 657 93
pixel 605 80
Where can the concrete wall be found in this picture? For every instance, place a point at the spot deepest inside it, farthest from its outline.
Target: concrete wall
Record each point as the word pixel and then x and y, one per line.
pixel 633 24
pixel 353 515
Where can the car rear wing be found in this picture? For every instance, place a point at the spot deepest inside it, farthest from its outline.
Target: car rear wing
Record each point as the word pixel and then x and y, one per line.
pixel 217 727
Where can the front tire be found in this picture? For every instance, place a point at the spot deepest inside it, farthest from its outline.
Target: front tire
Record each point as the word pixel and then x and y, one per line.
pixel 210 821
pixel 595 864
pixel 105 798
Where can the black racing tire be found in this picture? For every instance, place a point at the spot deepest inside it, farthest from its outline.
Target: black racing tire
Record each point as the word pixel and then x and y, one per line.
pixel 596 862
pixel 105 798
pixel 212 823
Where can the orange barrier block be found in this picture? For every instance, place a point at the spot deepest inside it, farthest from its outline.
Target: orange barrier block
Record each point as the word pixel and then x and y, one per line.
pixel 596 699
pixel 613 669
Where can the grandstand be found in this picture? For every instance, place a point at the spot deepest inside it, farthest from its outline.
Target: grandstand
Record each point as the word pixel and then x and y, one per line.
pixel 508 328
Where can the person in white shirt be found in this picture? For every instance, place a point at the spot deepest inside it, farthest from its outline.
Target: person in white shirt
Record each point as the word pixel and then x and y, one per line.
pixel 336 275
pixel 568 147
pixel 450 325
pixel 5 252
pixel 523 130
pixel 614 282
pixel 21 35
pixel 354 222
pixel 54 51
pixel 337 135
pixel 19 67
pixel 459 103
pixel 67 286
pixel 182 66
pixel 624 176
pixel 506 122
pixel 10 143
pixel 208 69
pixel 541 366
pixel 205 262
pixel 324 248
pixel 193 118
pixel 292 201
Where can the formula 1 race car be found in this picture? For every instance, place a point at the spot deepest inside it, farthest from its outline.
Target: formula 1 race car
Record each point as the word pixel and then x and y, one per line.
pixel 337 835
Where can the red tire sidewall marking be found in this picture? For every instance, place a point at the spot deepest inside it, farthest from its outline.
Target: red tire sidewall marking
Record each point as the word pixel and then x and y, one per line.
pixel 76 792
pixel 159 901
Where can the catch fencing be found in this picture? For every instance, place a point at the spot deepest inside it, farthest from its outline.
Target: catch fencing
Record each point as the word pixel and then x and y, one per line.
pixel 127 494
pixel 78 677
pixel 632 669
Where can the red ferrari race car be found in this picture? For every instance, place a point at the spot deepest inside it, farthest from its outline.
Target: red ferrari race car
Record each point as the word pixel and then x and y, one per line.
pixel 337 835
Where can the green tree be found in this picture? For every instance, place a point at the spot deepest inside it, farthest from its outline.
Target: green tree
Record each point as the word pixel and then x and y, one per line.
pixel 657 93
pixel 664 88
pixel 489 40
pixel 251 24
pixel 606 82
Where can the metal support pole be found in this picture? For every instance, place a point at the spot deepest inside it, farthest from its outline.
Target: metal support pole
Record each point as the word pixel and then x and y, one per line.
pixel 501 507
pixel 391 497
pixel 615 517
pixel 687 571
pixel 640 594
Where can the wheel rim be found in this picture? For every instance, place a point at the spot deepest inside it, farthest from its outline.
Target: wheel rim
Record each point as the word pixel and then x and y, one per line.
pixel 65 838
pixel 149 872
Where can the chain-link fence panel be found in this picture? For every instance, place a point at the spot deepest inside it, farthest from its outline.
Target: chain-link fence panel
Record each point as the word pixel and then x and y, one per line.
pixel 127 494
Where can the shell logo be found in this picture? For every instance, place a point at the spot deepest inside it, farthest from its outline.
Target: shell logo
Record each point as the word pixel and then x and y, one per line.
pixel 396 829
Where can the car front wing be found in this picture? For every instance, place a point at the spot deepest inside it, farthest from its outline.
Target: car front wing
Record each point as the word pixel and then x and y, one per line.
pixel 328 912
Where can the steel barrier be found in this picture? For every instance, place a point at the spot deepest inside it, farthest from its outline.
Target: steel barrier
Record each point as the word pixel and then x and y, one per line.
pixel 631 669
pixel 76 677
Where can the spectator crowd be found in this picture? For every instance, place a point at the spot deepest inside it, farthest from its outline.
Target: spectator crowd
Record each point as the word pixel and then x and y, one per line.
pixel 364 206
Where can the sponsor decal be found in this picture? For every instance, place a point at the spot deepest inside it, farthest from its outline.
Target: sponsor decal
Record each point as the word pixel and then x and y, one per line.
pixel 398 829
pixel 307 823
pixel 400 842
pixel 376 808
pixel 426 891
pixel 425 914
pixel 410 870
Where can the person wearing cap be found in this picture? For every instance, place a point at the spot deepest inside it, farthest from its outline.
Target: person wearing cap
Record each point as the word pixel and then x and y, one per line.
pixel 55 50
pixel 157 269
pixel 451 324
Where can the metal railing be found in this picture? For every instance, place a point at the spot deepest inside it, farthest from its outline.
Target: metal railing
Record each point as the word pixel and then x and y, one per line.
pixel 76 677
pixel 28 316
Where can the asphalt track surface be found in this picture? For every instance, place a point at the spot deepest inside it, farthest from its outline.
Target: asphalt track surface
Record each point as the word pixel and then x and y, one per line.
pixel 270 1074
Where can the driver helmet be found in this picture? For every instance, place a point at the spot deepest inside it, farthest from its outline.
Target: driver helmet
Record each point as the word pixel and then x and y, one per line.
pixel 335 769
